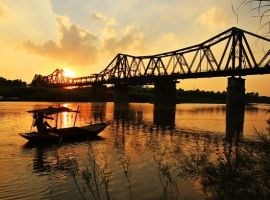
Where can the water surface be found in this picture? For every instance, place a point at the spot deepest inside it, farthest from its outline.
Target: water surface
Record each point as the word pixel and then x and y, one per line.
pixel 142 148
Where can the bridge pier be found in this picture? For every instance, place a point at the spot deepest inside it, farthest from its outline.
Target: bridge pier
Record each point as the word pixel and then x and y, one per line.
pixel 99 93
pixel 235 97
pixel 121 93
pixel 164 115
pixel 235 108
pixel 165 92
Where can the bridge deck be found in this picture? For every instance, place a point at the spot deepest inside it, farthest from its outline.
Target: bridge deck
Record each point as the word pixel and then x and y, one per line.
pixel 226 54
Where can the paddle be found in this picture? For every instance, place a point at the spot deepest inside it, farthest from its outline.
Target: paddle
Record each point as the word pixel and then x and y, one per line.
pixel 76 116
pixel 60 140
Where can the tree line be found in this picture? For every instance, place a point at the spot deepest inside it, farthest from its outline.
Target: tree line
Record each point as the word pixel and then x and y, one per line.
pixel 11 83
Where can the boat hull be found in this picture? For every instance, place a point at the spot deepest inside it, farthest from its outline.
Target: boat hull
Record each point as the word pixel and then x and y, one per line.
pixel 66 134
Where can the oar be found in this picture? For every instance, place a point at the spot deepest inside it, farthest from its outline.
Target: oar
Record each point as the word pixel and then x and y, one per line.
pixel 57 117
pixel 61 137
pixel 60 140
pixel 76 116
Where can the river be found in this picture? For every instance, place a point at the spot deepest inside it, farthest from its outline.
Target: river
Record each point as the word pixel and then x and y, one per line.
pixel 144 153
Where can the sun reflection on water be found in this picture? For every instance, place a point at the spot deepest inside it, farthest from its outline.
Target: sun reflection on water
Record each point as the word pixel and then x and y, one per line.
pixel 133 139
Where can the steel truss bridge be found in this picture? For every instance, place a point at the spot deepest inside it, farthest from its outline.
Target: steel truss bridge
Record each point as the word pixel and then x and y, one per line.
pixel 229 53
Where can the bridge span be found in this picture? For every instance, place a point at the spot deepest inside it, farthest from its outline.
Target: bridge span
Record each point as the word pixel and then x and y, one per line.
pixel 227 54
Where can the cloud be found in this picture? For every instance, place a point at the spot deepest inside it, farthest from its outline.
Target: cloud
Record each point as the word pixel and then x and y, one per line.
pixel 4 11
pixel 101 17
pixel 127 40
pixel 214 18
pixel 78 46
pixel 75 46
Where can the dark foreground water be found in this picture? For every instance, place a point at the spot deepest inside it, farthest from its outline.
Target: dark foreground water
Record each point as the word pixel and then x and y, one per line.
pixel 145 153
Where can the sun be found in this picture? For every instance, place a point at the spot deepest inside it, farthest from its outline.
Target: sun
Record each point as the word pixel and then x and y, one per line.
pixel 69 73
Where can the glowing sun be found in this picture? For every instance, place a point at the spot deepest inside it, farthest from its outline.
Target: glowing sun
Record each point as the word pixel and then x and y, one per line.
pixel 69 73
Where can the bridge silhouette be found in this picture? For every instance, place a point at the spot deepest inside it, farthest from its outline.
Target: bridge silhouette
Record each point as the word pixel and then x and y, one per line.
pixel 226 54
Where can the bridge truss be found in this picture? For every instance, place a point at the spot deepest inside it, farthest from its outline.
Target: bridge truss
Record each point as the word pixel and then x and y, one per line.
pixel 229 53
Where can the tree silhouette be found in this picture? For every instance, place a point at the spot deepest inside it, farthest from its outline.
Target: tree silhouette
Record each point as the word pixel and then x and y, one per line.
pixel 262 8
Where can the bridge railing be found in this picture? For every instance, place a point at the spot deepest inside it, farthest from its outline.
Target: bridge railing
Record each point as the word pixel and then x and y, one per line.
pixel 232 52
pixel 228 53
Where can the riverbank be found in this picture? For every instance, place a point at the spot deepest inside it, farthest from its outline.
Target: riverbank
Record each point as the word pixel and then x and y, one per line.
pixel 136 94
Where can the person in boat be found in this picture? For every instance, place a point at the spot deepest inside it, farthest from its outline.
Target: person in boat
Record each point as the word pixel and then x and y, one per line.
pixel 40 123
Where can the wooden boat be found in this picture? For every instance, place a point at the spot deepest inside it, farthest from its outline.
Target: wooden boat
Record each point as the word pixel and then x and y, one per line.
pixel 62 134
pixel 66 134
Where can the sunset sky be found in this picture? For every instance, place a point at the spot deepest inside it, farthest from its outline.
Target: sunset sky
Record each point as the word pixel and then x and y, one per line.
pixel 37 36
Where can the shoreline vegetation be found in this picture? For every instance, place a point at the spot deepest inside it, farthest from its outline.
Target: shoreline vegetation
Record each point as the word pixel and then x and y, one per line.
pixel 136 94
pixel 236 171
pixel 17 90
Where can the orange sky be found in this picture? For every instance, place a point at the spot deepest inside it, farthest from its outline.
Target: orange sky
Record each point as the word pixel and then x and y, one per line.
pixel 37 36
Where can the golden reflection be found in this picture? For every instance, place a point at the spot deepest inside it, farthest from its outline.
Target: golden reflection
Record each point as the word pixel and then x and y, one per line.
pixel 65 119
pixel 132 139
pixel 66 105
